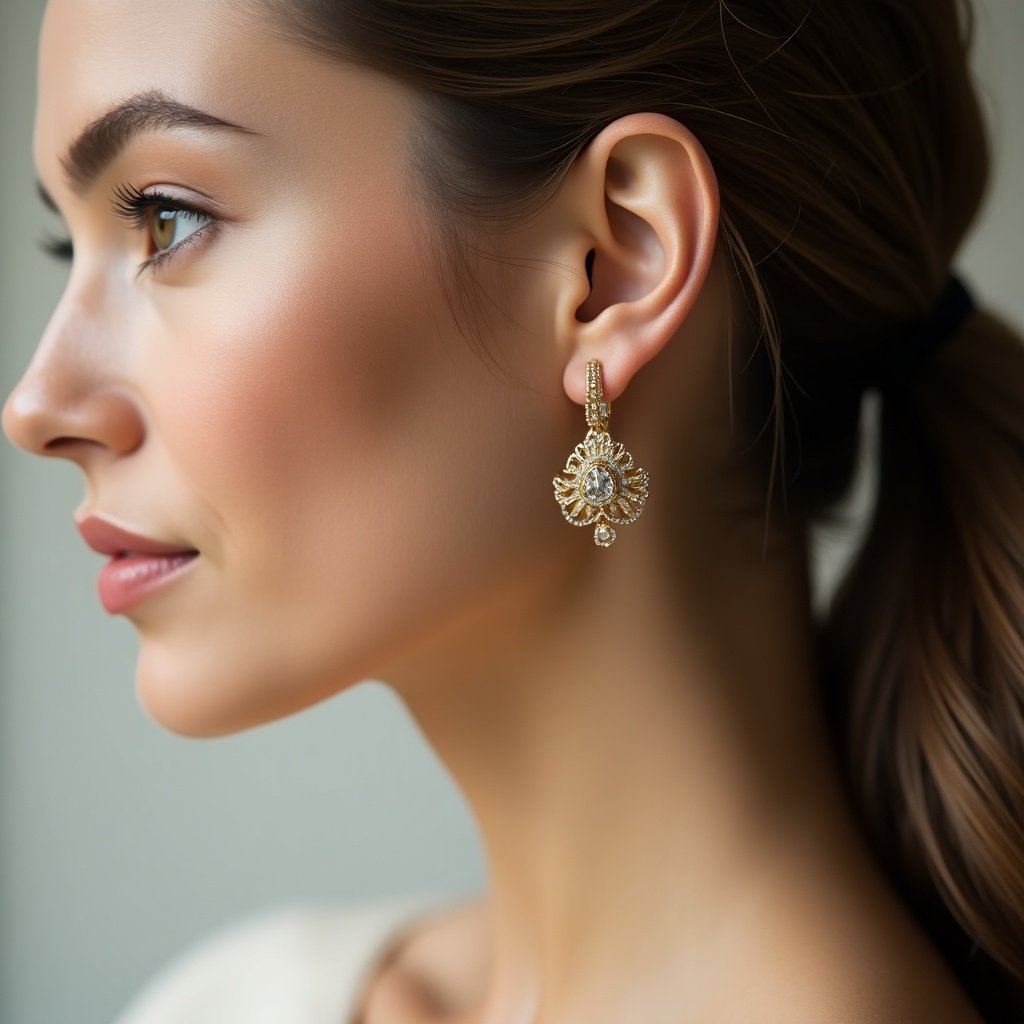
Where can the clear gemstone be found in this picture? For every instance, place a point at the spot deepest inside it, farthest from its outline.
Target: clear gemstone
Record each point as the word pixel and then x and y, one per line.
pixel 598 484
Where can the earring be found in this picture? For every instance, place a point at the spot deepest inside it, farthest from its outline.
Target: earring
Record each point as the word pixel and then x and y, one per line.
pixel 599 484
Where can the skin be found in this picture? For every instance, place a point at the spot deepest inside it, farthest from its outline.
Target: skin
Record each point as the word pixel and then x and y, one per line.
pixel 637 730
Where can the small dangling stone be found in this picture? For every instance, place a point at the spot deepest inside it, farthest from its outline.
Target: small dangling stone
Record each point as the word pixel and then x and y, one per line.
pixel 604 535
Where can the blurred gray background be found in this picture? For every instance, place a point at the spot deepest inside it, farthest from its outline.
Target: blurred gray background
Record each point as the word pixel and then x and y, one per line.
pixel 119 842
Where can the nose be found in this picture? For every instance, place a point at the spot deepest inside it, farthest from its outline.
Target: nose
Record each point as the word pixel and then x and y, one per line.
pixel 71 404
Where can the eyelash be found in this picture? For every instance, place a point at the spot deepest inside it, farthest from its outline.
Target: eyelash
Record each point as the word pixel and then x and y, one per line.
pixel 134 206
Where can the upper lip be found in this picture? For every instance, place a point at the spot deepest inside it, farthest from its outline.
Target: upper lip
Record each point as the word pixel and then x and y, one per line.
pixel 108 539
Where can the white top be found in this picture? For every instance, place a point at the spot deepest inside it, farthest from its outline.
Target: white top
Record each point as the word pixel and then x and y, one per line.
pixel 299 963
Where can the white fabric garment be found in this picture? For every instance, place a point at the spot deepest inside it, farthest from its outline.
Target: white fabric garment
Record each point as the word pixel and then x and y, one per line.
pixel 294 964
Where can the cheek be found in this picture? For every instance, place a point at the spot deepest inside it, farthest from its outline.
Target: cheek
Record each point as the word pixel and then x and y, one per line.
pixel 288 392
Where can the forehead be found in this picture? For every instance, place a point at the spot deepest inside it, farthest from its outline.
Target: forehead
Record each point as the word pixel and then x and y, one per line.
pixel 93 53
pixel 225 57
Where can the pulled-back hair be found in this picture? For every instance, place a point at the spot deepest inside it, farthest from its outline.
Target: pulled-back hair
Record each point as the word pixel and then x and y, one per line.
pixel 851 158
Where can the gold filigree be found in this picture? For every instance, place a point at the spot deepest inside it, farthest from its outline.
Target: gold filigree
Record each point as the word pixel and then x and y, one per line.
pixel 599 484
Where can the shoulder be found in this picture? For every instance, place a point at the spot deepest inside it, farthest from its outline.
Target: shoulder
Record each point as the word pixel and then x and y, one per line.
pixel 293 962
pixel 447 957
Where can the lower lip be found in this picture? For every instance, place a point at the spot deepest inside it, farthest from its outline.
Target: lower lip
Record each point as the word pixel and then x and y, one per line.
pixel 126 580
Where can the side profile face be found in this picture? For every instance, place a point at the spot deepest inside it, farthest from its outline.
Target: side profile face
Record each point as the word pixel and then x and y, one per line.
pixel 287 392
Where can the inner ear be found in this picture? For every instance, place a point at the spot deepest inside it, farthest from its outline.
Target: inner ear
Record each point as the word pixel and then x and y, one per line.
pixel 624 269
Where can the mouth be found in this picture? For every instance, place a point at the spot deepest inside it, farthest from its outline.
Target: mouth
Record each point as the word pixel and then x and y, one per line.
pixel 138 564
pixel 131 576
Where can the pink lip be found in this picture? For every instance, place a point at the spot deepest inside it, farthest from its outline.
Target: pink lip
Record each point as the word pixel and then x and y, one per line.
pixel 127 578
pixel 108 539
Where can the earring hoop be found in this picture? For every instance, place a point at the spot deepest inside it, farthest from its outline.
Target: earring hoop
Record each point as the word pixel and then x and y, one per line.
pixel 599 484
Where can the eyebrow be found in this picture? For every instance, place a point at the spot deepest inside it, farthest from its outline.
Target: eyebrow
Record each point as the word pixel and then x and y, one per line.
pixel 103 139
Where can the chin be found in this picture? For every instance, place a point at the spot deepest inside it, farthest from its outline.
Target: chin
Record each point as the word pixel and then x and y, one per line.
pixel 202 703
pixel 170 705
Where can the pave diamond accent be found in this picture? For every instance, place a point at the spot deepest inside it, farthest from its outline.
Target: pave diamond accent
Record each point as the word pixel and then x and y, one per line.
pixel 597 408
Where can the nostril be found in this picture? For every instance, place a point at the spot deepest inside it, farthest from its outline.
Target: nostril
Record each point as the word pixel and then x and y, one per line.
pixel 59 443
pixel 68 446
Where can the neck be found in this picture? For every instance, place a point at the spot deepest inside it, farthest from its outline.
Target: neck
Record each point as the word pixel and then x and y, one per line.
pixel 643 750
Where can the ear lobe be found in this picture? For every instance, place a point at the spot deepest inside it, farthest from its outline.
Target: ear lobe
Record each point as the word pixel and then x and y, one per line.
pixel 646 205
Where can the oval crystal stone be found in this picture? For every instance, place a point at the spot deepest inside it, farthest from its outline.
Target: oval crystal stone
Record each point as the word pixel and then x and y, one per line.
pixel 598 486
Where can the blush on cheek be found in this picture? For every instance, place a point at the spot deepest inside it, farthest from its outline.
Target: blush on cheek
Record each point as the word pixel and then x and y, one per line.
pixel 325 349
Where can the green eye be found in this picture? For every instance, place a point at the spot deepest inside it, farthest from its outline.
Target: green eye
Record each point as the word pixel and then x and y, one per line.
pixel 168 228
pixel 169 222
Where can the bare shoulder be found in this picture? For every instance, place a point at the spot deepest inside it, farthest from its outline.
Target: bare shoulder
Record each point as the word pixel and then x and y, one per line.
pixel 444 960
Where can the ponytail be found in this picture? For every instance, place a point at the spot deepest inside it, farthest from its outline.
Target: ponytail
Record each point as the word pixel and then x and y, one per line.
pixel 923 652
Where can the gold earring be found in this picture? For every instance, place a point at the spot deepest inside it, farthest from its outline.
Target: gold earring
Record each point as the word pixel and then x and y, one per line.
pixel 599 483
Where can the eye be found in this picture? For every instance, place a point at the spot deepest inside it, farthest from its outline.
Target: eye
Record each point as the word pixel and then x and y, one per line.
pixel 172 216
pixel 171 223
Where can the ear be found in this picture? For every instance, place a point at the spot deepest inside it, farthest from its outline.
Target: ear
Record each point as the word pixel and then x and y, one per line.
pixel 643 209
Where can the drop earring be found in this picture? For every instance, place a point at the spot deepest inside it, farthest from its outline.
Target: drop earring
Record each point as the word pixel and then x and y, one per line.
pixel 599 483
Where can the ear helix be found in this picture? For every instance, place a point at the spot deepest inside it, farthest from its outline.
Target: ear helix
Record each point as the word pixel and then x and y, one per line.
pixel 599 484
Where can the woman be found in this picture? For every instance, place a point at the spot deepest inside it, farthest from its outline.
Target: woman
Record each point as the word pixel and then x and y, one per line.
pixel 343 274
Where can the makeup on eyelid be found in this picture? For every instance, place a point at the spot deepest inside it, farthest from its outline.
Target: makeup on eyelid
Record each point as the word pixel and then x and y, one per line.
pixel 135 207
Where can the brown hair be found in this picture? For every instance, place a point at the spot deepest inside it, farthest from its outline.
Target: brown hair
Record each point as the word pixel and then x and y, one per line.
pixel 851 158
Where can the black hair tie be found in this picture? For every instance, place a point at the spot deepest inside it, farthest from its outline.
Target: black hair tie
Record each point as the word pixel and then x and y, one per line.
pixel 907 348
